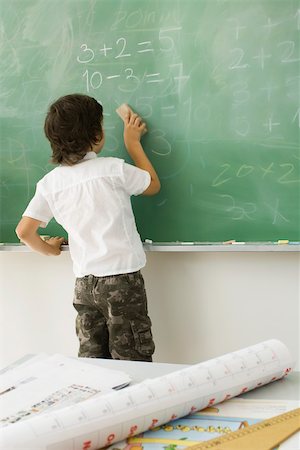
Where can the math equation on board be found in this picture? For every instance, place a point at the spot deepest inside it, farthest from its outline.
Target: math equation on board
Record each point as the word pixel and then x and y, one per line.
pixel 221 94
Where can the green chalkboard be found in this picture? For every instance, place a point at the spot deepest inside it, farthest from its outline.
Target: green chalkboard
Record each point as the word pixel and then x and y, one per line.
pixel 217 82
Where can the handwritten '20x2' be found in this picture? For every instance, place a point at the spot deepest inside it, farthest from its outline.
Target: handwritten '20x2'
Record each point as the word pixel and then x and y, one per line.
pixel 285 170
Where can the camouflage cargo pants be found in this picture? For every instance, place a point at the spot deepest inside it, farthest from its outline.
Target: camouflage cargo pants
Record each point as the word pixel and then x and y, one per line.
pixel 112 320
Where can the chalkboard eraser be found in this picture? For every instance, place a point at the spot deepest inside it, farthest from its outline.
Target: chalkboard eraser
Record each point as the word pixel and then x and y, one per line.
pixel 123 110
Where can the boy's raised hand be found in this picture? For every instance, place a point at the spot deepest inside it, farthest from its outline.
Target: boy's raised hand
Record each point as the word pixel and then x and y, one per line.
pixel 134 128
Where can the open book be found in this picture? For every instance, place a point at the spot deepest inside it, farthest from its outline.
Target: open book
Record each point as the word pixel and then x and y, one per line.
pixel 103 420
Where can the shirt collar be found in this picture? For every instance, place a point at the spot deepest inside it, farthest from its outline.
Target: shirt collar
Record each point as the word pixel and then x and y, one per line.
pixel 89 155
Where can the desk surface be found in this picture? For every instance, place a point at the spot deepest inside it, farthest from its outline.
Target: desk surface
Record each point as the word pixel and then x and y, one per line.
pixel 287 388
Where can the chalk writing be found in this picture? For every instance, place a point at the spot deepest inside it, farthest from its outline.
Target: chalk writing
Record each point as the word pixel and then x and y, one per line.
pixel 288 52
pixel 217 86
pixel 278 217
pixel 261 57
pixel 237 61
pixel 284 173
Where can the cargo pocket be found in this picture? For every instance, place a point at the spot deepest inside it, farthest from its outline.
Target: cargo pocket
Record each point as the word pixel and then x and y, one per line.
pixel 143 339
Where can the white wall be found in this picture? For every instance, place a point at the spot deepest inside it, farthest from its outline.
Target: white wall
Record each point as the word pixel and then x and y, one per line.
pixel 202 304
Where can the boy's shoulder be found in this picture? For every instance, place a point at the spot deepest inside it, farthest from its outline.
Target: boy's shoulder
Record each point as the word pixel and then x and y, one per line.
pixel 103 165
pixel 109 161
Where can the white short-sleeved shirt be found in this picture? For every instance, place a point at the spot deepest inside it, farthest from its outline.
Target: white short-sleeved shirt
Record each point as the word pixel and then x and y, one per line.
pixel 91 200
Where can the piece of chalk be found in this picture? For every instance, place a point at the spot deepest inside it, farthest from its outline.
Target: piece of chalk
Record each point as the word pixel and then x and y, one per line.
pixel 148 241
pixel 44 237
pixel 282 241
pixel 232 241
pixel 238 242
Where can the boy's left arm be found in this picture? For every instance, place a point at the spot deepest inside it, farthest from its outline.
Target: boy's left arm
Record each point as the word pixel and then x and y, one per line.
pixel 27 233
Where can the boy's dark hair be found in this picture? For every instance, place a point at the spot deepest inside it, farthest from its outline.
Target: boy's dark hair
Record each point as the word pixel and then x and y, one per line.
pixel 73 124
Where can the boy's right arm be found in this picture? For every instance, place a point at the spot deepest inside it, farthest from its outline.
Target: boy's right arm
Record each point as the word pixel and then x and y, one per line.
pixel 133 130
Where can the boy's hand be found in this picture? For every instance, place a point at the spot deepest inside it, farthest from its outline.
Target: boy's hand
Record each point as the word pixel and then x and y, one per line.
pixel 56 243
pixel 27 233
pixel 134 128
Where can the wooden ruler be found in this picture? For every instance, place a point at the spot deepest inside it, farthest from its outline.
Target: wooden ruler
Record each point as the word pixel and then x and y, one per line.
pixel 264 435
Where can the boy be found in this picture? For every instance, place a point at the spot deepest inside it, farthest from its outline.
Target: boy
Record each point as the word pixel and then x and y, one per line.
pixel 90 198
